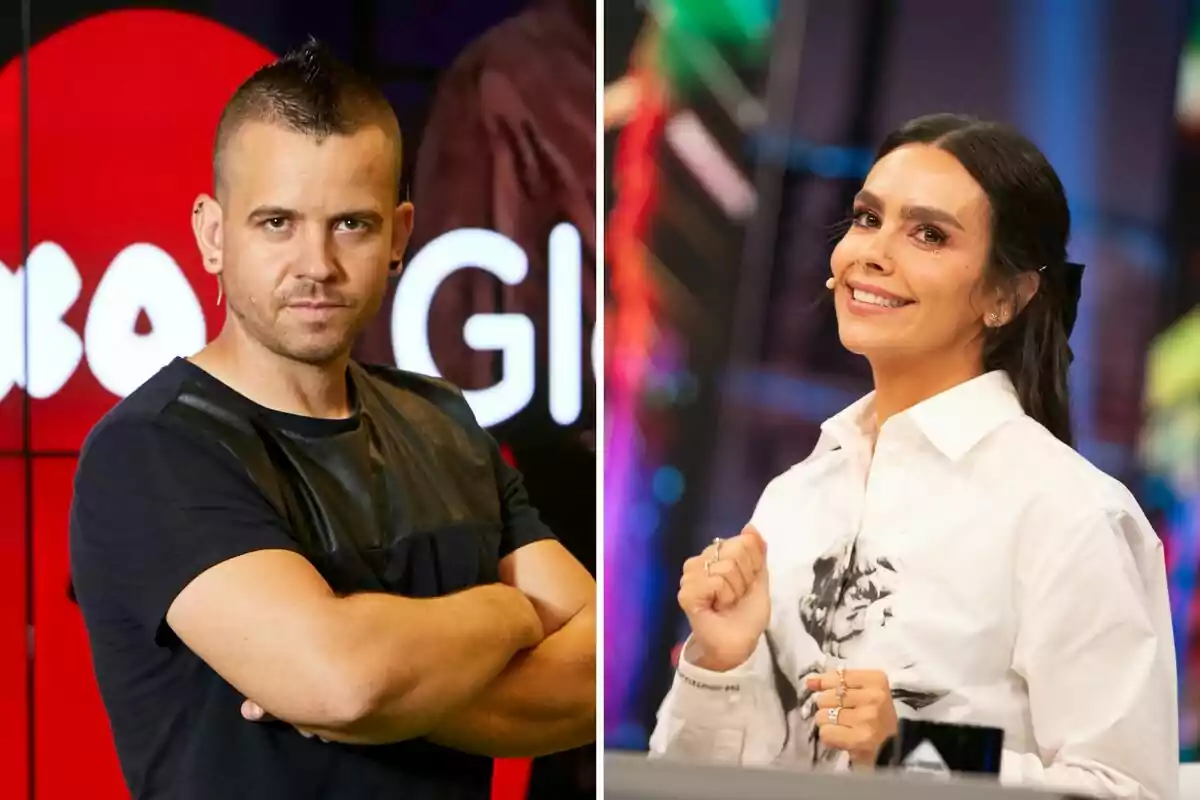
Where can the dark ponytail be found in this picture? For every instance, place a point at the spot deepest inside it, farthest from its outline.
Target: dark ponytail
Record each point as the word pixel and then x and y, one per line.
pixel 1031 224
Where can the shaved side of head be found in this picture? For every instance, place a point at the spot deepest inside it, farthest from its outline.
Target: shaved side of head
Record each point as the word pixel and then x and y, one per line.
pixel 307 91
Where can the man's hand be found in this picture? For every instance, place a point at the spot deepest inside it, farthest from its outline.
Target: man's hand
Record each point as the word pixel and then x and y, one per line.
pixel 857 717
pixel 253 712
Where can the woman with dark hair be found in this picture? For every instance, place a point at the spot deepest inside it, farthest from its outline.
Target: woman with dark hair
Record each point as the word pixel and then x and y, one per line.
pixel 943 554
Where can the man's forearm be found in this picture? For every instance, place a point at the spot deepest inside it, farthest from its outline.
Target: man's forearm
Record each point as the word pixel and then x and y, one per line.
pixel 543 702
pixel 414 660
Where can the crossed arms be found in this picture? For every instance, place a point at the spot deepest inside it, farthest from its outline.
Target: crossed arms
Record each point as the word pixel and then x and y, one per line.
pixel 501 670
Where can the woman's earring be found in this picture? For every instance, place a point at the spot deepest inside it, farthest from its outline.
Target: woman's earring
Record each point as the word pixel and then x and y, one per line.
pixel 829 284
pixel 994 319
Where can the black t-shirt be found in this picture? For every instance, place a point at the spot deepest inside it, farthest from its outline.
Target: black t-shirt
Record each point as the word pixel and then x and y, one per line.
pixel 408 495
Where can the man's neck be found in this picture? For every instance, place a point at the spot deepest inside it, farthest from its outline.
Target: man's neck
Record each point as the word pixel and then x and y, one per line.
pixel 902 384
pixel 273 381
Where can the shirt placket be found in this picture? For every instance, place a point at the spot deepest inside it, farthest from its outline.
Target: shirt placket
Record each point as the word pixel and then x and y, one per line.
pixel 865 470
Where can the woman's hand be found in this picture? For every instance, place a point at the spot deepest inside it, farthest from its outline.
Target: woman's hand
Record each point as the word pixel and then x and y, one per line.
pixel 855 712
pixel 724 593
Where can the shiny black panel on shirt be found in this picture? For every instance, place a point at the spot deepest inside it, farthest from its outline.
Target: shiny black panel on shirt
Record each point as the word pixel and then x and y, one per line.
pixel 378 506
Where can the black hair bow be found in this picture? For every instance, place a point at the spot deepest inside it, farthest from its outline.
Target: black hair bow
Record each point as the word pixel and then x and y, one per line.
pixel 1073 284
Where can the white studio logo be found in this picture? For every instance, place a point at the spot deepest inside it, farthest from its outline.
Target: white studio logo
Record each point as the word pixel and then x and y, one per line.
pixel 141 278
pixel 511 334
pixel 144 278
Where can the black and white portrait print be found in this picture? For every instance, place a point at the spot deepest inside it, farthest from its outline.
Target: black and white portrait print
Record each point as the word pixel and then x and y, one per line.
pixel 845 586
pixel 850 590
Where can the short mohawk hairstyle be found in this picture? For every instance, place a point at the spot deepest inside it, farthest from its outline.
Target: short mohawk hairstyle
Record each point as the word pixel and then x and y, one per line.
pixel 307 91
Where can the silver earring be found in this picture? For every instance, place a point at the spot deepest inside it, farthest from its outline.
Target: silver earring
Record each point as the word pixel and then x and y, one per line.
pixel 220 292
pixel 994 319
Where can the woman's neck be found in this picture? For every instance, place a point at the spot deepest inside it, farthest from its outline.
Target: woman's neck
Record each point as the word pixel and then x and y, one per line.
pixel 900 385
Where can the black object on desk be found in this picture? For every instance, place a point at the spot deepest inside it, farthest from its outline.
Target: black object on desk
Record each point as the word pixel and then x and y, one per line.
pixel 941 747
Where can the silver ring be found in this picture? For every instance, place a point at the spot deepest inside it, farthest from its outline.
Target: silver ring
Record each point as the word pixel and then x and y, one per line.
pixel 717 544
pixel 833 715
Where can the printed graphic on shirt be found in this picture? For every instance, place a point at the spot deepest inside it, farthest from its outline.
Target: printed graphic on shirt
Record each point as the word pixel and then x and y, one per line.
pixel 916 700
pixel 846 585
pixel 788 696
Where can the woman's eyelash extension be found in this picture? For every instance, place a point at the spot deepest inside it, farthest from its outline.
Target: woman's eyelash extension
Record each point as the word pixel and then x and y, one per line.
pixel 839 229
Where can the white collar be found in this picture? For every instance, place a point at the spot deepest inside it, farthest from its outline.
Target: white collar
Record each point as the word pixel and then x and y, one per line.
pixel 953 421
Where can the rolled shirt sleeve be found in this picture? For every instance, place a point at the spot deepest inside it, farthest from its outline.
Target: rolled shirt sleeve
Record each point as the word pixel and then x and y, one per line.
pixel 733 717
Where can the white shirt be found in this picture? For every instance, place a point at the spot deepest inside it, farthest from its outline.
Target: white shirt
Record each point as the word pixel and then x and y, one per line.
pixel 998 579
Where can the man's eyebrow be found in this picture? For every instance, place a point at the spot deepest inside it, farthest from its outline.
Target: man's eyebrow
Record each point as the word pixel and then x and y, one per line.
pixel 268 212
pixel 368 214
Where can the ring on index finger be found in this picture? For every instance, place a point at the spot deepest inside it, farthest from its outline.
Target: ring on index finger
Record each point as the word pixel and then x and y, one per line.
pixel 716 556
pixel 841 687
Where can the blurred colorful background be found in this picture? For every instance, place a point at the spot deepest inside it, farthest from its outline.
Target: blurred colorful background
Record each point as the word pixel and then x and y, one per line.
pixel 739 131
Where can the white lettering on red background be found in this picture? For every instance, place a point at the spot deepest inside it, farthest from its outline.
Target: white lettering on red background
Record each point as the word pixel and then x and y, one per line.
pixel 510 334
pixel 144 279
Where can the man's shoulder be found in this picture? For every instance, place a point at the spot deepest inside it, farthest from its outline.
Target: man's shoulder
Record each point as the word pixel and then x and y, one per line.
pixel 144 408
pixel 400 387
pixel 408 381
pixel 423 400
pixel 161 417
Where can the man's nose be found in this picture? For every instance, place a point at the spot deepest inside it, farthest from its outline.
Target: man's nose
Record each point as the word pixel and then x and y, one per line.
pixel 318 260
